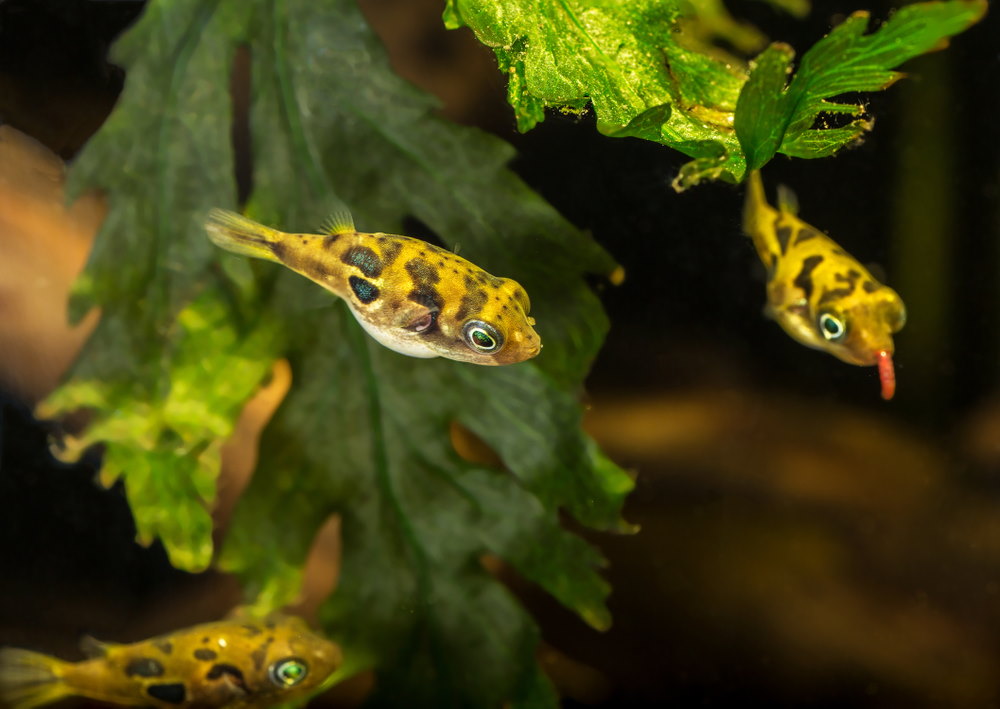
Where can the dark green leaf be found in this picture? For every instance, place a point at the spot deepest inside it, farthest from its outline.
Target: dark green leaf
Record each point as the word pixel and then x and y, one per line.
pixel 188 332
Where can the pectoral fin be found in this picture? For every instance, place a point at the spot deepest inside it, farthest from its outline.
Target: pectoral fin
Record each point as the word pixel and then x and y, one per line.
pixel 415 317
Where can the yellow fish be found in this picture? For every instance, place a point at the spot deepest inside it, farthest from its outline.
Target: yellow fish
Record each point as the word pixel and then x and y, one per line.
pixel 411 296
pixel 222 664
pixel 818 292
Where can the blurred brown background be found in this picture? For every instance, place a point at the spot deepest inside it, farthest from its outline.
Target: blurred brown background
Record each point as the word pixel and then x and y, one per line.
pixel 803 543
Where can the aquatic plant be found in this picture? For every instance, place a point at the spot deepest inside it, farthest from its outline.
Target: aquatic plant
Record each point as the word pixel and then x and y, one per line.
pixel 650 70
pixel 188 334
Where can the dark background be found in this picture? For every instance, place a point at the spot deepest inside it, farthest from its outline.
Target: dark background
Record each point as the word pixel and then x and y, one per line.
pixel 687 329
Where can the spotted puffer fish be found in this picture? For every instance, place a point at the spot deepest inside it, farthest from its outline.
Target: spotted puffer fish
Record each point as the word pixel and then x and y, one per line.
pixel 411 296
pixel 818 292
pixel 224 664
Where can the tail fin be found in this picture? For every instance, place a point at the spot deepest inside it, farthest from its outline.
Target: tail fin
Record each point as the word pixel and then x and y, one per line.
pixel 30 679
pixel 236 233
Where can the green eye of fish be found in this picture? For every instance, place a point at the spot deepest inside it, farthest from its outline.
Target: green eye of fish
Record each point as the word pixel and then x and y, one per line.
pixel 288 672
pixel 482 337
pixel 831 327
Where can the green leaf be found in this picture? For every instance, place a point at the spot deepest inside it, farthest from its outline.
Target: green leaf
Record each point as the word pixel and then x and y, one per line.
pixel 625 58
pixel 652 69
pixel 771 117
pixel 188 332
pixel 761 101
pixel 167 449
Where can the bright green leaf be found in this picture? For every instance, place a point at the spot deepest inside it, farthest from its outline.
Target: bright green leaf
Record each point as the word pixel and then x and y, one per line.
pixel 652 69
pixel 771 118
pixel 167 448
pixel 627 59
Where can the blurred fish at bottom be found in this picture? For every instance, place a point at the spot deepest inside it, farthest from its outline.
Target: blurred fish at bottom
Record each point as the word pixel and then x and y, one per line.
pixel 233 663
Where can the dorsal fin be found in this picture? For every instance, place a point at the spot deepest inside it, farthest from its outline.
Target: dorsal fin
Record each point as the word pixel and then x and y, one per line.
pixel 91 647
pixel 340 222
pixel 787 201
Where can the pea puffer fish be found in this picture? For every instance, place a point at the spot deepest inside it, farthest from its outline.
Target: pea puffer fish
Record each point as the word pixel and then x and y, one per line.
pixel 411 296
pixel 224 664
pixel 818 292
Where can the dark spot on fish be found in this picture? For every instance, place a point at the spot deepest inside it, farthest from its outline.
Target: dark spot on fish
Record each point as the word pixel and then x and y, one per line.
pixel 804 279
pixel 422 272
pixel 784 235
pixel 363 258
pixel 205 640
pixel 165 646
pixel 440 264
pixel 205 655
pixel 505 306
pixel 278 249
pixel 869 286
pixel 252 629
pixel 330 239
pixel 805 234
pixel 364 290
pixel 424 277
pixel 851 279
pixel 260 654
pixel 144 667
pixel 390 252
pixel 173 693
pixel 472 302
pixel 455 271
pixel 221 669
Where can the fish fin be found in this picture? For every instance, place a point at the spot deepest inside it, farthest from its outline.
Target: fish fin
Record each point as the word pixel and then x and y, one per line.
pixel 877 271
pixel 415 316
pixel 30 679
pixel 91 647
pixel 340 222
pixel 788 202
pixel 241 235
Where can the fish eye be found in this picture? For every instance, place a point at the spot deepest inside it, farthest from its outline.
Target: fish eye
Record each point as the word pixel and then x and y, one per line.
pixel 288 672
pixel 831 327
pixel 481 336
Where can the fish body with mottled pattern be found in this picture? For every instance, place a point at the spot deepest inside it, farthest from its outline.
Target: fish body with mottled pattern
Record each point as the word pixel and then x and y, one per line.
pixel 236 664
pixel 413 297
pixel 818 292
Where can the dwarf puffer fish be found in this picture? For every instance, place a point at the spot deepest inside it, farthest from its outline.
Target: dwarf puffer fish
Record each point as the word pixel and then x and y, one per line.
pixel 411 296
pixel 223 664
pixel 818 292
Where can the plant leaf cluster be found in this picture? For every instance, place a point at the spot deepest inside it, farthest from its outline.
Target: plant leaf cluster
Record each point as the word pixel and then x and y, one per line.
pixel 188 333
pixel 649 70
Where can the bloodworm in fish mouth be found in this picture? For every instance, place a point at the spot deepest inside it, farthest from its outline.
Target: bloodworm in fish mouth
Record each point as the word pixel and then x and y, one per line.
pixel 886 374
